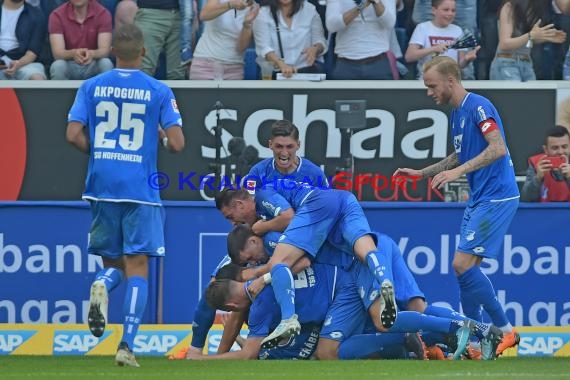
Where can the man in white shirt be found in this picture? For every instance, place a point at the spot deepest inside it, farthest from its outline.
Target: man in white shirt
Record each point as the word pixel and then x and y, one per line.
pixel 22 32
pixel 363 31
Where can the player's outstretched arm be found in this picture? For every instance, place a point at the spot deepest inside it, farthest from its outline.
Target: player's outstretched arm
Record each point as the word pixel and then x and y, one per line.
pixel 249 351
pixel 447 163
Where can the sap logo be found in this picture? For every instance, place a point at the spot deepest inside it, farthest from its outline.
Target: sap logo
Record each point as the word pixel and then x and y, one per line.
pixel 542 344
pixel 215 337
pixel 157 342
pixel 12 339
pixel 74 342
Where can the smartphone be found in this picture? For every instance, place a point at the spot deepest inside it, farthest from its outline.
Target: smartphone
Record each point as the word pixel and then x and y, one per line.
pixel 556 161
pixel 2 64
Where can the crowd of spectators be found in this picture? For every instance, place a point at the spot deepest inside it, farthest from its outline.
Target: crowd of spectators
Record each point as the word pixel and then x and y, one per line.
pixel 355 39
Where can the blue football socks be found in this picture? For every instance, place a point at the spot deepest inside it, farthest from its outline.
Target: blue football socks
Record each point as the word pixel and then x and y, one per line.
pixel 284 289
pixel 110 276
pixel 411 321
pixel 363 345
pixel 379 266
pixel 133 308
pixel 479 289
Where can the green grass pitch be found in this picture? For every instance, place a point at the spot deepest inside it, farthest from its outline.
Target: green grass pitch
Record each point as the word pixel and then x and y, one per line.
pixel 102 368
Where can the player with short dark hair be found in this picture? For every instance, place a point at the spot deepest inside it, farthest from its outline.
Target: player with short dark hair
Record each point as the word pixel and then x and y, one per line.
pixel 308 216
pixel 284 143
pixel 118 118
pixel 548 173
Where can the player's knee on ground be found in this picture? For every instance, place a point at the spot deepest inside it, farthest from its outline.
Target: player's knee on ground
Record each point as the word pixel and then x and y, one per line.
pixel 327 349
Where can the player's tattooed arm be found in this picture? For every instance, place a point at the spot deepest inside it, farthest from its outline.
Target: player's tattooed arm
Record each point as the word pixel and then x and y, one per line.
pixel 495 150
pixel 447 163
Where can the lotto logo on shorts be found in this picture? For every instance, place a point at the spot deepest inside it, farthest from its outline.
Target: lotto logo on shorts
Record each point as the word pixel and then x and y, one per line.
pixel 250 186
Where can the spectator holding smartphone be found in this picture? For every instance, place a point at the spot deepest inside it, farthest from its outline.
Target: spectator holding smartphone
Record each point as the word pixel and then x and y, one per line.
pixel 548 173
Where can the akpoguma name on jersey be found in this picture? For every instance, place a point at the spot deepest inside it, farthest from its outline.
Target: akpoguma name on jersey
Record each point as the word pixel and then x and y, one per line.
pixel 122 93
pixel 118 156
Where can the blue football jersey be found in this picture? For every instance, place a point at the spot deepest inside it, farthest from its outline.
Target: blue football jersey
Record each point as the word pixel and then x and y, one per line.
pixel 265 171
pixel 122 110
pixel 314 292
pixel 279 195
pixel 497 180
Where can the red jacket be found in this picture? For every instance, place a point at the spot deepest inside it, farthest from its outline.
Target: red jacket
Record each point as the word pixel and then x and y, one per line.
pixel 553 189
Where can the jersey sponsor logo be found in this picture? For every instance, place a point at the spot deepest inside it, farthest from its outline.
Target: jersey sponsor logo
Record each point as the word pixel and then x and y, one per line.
pixel 12 339
pixel 457 142
pixel 75 342
pixel 479 249
pixel 161 250
pixel 174 105
pixel 462 123
pixel 542 344
pixel 482 114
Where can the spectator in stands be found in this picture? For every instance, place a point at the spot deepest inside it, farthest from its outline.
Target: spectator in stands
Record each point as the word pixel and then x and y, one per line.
pixel 80 39
pixel 289 34
pixel 432 38
pixel 521 25
pixel 563 10
pixel 553 55
pixel 186 19
pixel 363 32
pixel 160 22
pixel 22 32
pixel 227 34
pixel 487 22
pixel 125 12
pixel 548 173
pixel 465 18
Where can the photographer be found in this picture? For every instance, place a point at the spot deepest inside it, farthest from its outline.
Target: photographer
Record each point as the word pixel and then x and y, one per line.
pixel 548 173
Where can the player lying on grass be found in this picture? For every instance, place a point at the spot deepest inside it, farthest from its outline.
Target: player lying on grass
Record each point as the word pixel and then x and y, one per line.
pixel 245 247
pixel 308 216
pixel 319 288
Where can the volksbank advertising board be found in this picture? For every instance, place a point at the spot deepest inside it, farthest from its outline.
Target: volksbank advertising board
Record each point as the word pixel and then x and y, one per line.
pixel 45 272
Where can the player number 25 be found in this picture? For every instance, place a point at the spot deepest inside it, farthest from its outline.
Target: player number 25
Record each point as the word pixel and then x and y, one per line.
pixel 129 121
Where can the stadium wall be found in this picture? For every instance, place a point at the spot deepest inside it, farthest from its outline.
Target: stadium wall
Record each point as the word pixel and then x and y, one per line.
pixel 404 129
pixel 45 273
